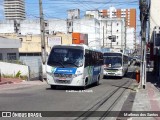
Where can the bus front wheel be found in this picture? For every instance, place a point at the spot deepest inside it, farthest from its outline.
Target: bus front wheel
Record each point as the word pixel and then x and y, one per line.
pixel 86 82
pixel 53 86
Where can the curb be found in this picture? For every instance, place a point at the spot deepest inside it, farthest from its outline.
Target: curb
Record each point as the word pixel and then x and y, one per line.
pixel 8 82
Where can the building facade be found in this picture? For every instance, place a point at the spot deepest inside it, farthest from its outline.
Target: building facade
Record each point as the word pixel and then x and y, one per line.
pixel 90 26
pixel 7 26
pixel 130 38
pixel 14 9
pixel 9 49
pixel 128 14
pixel 31 44
pixel 154 20
pixel 113 27
pixel 154 17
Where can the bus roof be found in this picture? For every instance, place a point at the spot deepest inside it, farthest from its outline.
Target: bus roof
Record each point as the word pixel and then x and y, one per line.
pixel 78 45
pixel 115 52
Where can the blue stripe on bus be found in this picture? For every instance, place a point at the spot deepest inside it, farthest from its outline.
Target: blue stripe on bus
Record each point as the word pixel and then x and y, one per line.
pixel 96 70
pixel 66 70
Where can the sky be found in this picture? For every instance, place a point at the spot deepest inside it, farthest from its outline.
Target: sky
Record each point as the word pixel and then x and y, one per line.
pixel 58 8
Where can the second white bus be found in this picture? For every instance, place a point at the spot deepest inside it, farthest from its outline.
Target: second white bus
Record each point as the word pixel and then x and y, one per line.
pixel 115 64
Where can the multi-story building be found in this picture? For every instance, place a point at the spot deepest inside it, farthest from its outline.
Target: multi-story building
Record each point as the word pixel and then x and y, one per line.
pixel 154 19
pixel 14 9
pixel 113 27
pixel 111 21
pixel 73 14
pixel 128 14
pixel 90 26
pixel 130 39
pixel 25 27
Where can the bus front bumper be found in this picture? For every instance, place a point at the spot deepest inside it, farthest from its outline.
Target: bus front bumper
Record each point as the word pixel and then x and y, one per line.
pixel 78 81
pixel 119 73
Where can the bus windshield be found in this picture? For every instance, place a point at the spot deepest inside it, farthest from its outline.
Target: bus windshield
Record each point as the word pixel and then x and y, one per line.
pixel 112 61
pixel 65 57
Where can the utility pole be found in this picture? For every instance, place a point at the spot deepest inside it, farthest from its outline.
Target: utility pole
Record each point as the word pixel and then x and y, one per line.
pixel 144 11
pixel 103 36
pixel 42 28
pixel 111 33
pixel 125 33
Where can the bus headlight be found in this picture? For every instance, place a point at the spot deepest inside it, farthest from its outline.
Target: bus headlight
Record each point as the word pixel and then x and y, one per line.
pixel 56 75
pixel 76 75
pixel 119 71
pixel 68 75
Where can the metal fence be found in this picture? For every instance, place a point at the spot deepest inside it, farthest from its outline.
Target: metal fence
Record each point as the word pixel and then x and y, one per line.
pixel 35 66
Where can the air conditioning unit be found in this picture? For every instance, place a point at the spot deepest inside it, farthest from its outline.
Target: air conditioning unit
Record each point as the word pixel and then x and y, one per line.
pixel 53 33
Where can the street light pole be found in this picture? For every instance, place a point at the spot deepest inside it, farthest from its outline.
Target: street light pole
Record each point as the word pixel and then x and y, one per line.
pixel 103 36
pixel 111 33
pixel 42 29
pixel 144 11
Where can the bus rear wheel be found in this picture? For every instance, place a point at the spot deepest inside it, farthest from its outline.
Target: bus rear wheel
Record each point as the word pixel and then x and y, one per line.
pixel 97 82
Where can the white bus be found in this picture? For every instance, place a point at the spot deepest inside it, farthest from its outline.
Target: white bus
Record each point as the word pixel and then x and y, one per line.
pixel 115 64
pixel 74 65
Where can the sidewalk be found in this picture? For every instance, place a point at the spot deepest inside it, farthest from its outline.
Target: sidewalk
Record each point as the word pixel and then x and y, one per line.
pixel 9 81
pixel 147 99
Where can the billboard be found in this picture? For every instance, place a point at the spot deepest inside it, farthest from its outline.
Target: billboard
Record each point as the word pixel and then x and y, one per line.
pixel 78 38
pixel 54 41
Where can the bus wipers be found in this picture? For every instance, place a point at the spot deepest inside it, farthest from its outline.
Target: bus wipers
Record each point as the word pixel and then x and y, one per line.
pixel 52 62
pixel 72 63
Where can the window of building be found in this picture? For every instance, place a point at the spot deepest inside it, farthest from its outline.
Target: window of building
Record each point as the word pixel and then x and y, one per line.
pixel 21 39
pixel 29 37
pixel 117 24
pixel 1 57
pixel 69 24
pixel 11 56
pixel 46 24
pixel 117 30
pixel 117 37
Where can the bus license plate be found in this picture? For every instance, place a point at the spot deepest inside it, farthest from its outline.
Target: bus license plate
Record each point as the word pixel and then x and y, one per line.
pixel 62 78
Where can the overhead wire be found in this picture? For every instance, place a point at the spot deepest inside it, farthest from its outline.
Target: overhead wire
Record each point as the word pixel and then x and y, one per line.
pixel 80 2
pixel 83 3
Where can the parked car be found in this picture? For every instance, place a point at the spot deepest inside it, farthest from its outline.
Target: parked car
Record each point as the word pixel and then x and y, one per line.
pixel 130 60
pixel 137 60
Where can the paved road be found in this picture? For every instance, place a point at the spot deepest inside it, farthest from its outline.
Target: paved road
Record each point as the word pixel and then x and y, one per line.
pixel 109 95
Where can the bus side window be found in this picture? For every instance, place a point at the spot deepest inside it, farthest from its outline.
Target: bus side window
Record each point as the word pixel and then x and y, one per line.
pixel 93 58
pixel 101 58
pixel 91 62
pixel 98 58
pixel 87 58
